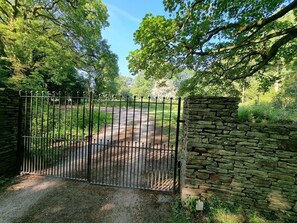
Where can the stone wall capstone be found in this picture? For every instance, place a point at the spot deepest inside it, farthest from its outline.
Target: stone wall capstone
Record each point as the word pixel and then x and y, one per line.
pixel 9 112
pixel 253 165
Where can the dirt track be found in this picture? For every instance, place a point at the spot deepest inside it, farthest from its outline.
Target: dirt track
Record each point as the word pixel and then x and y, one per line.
pixel 46 199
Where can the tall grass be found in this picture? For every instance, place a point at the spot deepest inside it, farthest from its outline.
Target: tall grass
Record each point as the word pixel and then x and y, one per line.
pixel 62 121
pixel 266 113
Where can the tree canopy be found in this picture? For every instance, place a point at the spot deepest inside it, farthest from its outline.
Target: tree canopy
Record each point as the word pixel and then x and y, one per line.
pixel 221 41
pixel 48 43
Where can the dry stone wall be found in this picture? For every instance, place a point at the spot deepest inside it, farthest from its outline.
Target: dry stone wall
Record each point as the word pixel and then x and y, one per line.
pixel 9 111
pixel 252 165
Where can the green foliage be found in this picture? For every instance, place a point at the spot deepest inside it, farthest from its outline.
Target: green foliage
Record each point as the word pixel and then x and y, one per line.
pixel 190 204
pixel 48 154
pixel 286 98
pixel 141 86
pixel 221 42
pixel 244 114
pixel 188 87
pixel 266 113
pixel 3 181
pixel 49 44
pixel 216 211
pixel 53 123
pixel 124 85
pixel 179 215
pixel 60 122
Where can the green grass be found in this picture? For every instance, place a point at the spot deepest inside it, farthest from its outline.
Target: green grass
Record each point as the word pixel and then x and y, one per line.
pixel 180 214
pixel 54 123
pixel 52 128
pixel 216 211
pixel 61 121
pixel 47 154
pixel 266 113
pixel 163 114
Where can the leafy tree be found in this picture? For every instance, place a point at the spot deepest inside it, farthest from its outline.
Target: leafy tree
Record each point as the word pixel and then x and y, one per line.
pixel 221 41
pixel 45 43
pixel 164 88
pixel 142 86
pixel 124 85
pixel 287 95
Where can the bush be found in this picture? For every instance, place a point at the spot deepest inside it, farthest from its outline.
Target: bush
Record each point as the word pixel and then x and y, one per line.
pixel 266 113
pixel 244 114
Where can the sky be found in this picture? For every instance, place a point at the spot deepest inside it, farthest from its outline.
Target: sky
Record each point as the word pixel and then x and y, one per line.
pixel 124 19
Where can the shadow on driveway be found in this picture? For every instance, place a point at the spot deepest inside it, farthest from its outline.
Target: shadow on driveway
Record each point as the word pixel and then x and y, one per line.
pixel 48 200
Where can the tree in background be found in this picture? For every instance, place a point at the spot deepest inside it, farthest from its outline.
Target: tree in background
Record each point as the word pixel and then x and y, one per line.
pixel 142 86
pixel 46 44
pixel 287 95
pixel 164 88
pixel 124 84
pixel 221 41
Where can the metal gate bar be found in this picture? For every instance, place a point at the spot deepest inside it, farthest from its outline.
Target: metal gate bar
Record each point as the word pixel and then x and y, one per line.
pixel 118 141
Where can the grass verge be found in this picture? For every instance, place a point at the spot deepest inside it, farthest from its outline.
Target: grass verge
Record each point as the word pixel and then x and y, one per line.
pixel 216 211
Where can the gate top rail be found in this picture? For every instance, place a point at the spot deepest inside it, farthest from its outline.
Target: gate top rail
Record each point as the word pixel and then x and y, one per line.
pixel 86 95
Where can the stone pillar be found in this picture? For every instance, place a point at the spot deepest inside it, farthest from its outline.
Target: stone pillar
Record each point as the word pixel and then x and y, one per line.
pixel 9 112
pixel 205 117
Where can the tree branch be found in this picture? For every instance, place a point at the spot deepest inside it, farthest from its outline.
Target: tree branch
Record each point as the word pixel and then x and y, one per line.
pixel 72 3
pixel 191 12
pixel 244 43
pixel 257 24
pixel 266 57
pixel 219 29
pixel 4 12
pixel 274 49
pixel 248 57
pixel 7 1
pixel 39 7
pixel 263 22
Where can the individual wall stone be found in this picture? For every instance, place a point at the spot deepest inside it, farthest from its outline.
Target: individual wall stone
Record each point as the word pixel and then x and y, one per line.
pixel 251 164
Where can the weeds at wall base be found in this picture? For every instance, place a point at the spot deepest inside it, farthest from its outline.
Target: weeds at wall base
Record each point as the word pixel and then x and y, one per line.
pixel 216 211
pixel 4 181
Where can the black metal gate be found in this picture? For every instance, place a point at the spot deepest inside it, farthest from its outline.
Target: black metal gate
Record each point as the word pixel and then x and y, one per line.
pixel 117 141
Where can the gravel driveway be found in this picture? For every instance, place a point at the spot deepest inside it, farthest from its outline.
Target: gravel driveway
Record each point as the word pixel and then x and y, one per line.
pixel 45 199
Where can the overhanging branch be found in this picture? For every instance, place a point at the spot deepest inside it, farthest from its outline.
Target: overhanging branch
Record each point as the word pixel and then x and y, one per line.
pixel 263 22
pixel 245 43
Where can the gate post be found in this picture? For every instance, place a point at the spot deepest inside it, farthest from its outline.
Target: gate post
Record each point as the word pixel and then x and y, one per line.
pixel 206 121
pixel 176 145
pixel 9 139
pixel 20 148
pixel 90 135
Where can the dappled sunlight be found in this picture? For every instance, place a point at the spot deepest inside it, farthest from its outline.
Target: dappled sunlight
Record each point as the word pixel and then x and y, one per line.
pixel 163 185
pixel 222 216
pixel 55 210
pixel 277 201
pixel 107 207
pixel 44 186
pixel 33 184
